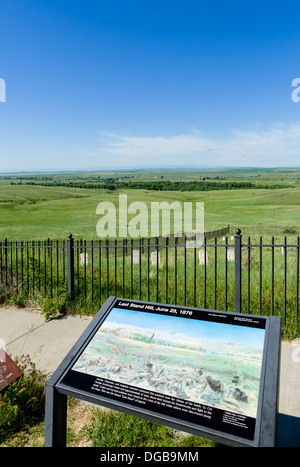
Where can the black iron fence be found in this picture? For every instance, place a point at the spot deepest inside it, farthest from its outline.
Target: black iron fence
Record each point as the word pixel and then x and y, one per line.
pixel 225 273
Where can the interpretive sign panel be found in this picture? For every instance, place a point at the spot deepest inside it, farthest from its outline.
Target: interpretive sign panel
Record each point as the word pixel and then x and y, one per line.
pixel 202 371
pixel 9 371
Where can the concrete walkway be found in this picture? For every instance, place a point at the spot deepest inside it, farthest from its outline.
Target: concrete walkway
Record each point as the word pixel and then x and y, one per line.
pixel 46 342
pixel 24 332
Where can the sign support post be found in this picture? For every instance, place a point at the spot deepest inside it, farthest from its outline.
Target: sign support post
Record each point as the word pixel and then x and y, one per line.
pixel 55 418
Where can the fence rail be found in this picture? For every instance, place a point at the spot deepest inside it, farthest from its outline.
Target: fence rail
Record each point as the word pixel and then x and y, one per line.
pixel 225 274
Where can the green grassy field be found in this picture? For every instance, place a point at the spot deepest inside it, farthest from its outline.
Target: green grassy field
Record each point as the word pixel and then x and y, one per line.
pixel 34 212
pixel 38 212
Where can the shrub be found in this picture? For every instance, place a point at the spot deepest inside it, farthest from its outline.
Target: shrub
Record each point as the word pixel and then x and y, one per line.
pixel 53 307
pixel 290 231
pixel 22 402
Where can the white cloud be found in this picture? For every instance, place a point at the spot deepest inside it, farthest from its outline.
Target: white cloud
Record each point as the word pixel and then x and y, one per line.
pixel 279 145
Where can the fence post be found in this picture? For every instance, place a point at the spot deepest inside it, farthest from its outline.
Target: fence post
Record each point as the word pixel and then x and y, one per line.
pixel 238 270
pixel 5 255
pixel 70 257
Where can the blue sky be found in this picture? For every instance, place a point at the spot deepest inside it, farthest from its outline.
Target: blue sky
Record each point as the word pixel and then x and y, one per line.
pixel 122 84
pixel 194 328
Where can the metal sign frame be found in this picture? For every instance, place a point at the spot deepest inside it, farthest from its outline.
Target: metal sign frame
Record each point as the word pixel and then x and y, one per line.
pixel 86 387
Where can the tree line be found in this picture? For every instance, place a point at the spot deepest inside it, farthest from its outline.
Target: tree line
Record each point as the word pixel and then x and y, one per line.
pixel 159 185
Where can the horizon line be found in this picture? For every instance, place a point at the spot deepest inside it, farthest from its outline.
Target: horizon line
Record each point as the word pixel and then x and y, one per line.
pixel 136 168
